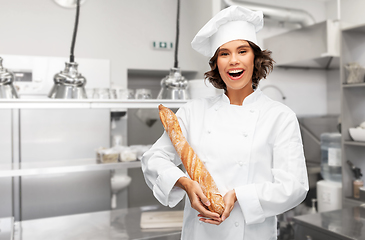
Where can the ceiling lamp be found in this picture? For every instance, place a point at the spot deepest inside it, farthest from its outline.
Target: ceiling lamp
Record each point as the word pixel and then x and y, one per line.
pixel 69 83
pixel 7 89
pixel 68 3
pixel 174 86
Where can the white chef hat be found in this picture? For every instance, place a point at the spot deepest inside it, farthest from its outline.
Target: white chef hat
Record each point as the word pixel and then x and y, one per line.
pixel 230 24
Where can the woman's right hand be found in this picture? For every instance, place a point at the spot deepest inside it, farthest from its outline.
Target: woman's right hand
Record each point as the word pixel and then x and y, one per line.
pixel 197 198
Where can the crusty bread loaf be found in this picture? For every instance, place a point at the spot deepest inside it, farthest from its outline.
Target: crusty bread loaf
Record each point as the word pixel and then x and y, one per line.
pixel 193 165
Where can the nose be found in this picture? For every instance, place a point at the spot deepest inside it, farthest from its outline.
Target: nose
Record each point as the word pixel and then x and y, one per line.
pixel 234 60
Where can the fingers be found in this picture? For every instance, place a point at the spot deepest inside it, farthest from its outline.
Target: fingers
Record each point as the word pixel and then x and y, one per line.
pixel 227 212
pixel 229 200
pixel 209 220
pixel 203 198
pixel 198 205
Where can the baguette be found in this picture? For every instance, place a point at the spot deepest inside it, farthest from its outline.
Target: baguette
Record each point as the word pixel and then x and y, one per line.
pixel 193 165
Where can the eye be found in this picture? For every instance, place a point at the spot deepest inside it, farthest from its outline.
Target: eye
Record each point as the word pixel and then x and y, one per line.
pixel 223 54
pixel 242 51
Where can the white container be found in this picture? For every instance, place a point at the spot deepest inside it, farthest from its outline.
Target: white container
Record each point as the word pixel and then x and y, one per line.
pixel 329 195
pixel 357 134
pixel 331 165
pixel 201 88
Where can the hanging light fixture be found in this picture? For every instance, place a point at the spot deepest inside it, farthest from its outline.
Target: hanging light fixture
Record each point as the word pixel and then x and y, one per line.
pixel 174 86
pixel 7 89
pixel 68 3
pixel 69 83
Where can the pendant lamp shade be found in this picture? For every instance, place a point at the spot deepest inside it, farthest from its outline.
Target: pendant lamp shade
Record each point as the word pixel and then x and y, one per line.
pixel 174 86
pixel 69 83
pixel 7 89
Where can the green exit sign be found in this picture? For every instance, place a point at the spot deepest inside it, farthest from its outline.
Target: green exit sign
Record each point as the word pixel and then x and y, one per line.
pixel 163 45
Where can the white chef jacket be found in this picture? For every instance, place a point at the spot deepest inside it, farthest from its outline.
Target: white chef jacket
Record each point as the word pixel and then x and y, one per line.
pixel 255 149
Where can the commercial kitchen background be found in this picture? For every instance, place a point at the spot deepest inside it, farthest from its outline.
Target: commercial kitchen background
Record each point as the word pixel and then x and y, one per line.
pixel 117 37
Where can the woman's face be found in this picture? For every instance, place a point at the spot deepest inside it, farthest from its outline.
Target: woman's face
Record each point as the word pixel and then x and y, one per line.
pixel 235 64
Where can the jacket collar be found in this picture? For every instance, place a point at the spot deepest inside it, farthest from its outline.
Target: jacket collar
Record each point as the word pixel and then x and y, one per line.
pixel 248 101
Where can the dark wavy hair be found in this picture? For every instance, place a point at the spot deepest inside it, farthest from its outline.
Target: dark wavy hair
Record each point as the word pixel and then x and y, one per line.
pixel 263 64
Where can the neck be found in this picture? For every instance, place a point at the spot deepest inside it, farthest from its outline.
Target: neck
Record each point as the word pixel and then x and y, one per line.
pixel 236 97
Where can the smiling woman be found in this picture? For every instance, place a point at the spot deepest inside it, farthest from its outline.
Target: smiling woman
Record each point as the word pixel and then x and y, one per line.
pixel 250 144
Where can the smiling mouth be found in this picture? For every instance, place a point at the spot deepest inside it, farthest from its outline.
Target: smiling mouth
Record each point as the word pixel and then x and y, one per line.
pixel 234 74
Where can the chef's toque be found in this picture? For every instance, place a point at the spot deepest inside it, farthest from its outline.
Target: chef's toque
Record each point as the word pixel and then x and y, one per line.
pixel 232 23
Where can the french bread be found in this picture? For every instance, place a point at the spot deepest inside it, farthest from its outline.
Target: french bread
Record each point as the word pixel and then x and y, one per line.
pixel 192 163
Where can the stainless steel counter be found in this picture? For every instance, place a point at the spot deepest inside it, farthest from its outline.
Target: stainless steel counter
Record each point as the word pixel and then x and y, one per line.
pixel 122 224
pixel 346 223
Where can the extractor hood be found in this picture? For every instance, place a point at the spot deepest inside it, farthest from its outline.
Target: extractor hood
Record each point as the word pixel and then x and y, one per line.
pixel 316 46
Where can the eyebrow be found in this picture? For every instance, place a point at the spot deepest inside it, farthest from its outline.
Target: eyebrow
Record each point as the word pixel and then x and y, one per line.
pixel 242 46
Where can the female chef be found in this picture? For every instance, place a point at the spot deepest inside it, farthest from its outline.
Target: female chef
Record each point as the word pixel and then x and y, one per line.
pixel 250 144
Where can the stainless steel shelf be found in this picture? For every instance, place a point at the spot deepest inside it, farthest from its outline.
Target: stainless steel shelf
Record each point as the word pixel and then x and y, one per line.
pixel 354 28
pixel 69 166
pixel 353 85
pixel 354 143
pixel 87 103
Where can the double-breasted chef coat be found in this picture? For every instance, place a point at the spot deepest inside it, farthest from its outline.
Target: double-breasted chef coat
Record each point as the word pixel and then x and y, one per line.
pixel 255 149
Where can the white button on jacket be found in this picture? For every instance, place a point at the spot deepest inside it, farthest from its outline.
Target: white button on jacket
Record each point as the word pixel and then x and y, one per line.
pixel 255 149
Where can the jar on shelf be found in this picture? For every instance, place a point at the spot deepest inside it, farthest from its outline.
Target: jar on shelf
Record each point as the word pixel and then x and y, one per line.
pixel 331 165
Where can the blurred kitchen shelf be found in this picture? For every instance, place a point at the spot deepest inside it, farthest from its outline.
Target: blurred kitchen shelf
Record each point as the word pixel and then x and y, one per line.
pixel 69 166
pixel 352 104
pixel 352 202
pixel 354 143
pixel 324 55
pixel 354 28
pixel 87 103
pixel 353 85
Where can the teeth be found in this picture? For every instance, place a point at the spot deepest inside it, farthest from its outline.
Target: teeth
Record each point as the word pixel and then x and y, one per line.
pixel 235 71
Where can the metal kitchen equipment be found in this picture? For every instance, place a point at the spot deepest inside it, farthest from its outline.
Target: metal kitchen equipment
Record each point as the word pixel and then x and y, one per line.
pixel 7 89
pixel 174 86
pixel 70 83
pixel 68 3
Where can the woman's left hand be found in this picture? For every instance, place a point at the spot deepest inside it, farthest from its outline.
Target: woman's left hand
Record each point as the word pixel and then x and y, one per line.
pixel 229 200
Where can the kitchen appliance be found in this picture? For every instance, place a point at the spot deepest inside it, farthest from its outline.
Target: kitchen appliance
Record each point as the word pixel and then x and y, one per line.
pixel 68 3
pixel 174 86
pixel 329 190
pixel 70 83
pixel 7 89
pixel 331 166
pixel 329 195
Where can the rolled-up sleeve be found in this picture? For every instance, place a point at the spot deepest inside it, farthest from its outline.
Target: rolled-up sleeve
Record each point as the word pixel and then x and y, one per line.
pixel 290 181
pixel 160 168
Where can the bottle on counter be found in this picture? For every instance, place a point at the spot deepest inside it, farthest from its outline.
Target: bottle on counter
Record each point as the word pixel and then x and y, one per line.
pixel 358 183
pixel 331 167
pixel 313 209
